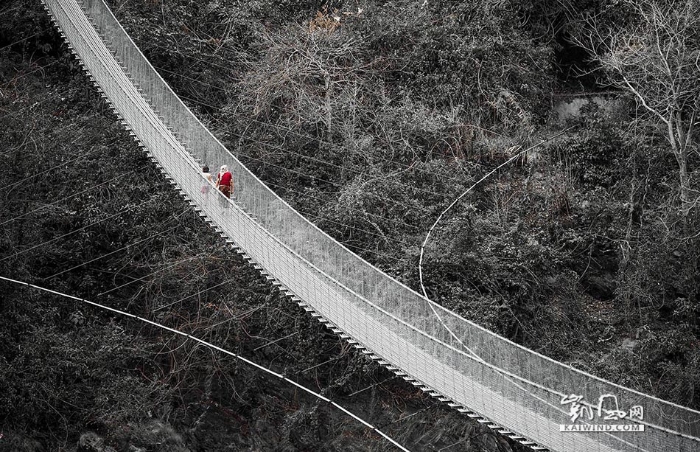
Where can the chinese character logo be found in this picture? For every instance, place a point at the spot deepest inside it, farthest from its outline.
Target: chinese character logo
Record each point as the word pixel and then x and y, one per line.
pixel 607 408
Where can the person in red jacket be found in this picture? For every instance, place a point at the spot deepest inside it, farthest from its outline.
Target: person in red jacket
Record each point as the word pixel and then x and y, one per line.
pixel 224 181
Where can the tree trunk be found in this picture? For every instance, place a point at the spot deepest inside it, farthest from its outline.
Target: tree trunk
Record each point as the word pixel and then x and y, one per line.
pixel 329 111
pixel 679 146
pixel 684 184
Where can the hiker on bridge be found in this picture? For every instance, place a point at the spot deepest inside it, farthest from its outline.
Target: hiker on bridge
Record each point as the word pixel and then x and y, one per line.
pixel 208 181
pixel 224 181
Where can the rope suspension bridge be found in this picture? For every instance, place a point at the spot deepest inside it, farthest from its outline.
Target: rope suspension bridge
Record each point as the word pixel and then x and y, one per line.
pixel 521 394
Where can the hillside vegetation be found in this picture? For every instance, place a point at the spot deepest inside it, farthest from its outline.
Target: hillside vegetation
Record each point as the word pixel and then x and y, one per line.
pixel 370 117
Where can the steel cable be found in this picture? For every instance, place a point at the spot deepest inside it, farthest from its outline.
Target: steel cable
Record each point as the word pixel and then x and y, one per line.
pixel 530 358
pixel 219 349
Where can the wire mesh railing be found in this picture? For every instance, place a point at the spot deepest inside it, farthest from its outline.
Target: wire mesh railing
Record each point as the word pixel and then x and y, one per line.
pixel 506 383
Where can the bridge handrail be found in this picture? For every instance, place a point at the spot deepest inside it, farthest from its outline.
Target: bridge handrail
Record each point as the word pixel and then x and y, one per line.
pixel 316 266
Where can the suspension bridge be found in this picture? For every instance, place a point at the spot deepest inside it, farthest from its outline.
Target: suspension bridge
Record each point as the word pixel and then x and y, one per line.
pixel 519 393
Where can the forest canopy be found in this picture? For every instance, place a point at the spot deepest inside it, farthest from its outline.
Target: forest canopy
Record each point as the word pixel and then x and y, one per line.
pixel 369 117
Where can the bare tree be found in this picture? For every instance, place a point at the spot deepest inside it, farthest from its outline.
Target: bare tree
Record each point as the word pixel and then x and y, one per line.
pixel 655 56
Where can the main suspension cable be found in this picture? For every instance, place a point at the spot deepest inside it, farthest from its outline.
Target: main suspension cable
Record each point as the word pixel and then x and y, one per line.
pixel 150 237
pixel 109 217
pixel 58 201
pixel 220 349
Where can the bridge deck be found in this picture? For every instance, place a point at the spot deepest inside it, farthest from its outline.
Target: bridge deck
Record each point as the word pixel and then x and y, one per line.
pixel 466 364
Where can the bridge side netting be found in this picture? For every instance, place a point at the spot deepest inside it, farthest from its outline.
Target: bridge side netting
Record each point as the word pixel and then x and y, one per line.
pixel 504 382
